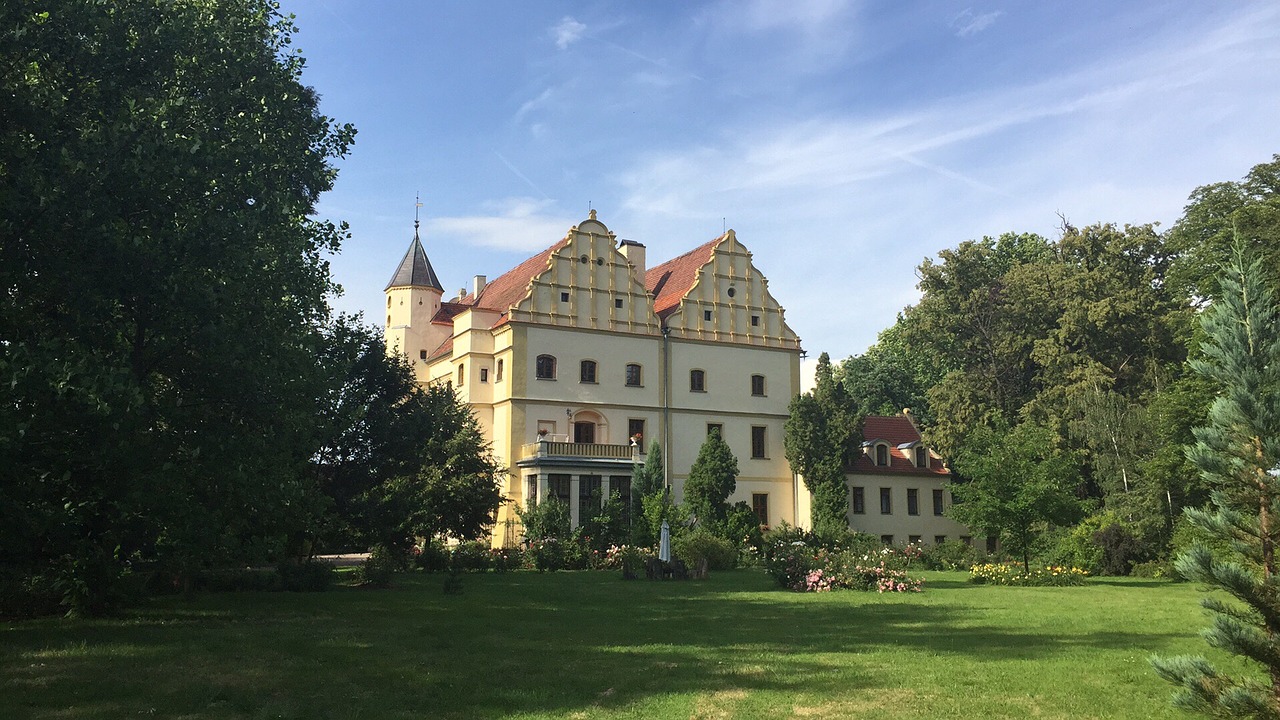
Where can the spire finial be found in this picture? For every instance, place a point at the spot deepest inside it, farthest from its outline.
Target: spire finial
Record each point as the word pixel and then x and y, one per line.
pixel 417 203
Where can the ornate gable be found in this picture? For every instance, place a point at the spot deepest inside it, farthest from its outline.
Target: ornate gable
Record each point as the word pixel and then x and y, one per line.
pixel 585 282
pixel 715 293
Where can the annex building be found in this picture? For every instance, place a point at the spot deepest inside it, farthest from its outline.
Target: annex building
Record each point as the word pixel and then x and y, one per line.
pixel 578 358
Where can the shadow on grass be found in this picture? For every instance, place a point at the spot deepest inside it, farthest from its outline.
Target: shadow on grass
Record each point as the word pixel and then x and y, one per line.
pixel 511 644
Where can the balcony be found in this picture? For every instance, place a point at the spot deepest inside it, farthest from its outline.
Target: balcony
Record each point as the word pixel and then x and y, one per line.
pixel 597 451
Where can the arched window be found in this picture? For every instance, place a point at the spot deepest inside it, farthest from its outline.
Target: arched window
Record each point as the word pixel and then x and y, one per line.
pixel 697 381
pixel 634 377
pixel 757 385
pixel 882 454
pixel 922 457
pixel 588 371
pixel 545 369
pixel 462 370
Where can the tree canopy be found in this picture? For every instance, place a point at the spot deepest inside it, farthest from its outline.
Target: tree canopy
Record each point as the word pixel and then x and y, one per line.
pixel 174 392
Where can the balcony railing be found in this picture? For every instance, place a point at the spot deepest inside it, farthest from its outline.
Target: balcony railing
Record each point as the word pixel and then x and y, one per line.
pixel 554 448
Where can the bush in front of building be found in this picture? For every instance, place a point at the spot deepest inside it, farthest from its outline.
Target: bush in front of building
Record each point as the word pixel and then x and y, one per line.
pixel 471 556
pixel 693 547
pixel 949 555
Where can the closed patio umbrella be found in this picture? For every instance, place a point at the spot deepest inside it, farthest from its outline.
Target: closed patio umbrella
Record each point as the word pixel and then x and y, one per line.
pixel 664 544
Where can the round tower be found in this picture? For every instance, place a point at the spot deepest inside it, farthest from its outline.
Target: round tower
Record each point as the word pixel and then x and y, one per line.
pixel 414 295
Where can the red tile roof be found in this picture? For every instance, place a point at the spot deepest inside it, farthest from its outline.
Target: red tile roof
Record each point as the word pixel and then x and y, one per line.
pixel 895 430
pixel 669 282
pixel 511 287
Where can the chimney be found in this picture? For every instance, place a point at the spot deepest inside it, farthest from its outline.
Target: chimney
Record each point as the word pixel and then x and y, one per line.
pixel 634 253
pixel 477 285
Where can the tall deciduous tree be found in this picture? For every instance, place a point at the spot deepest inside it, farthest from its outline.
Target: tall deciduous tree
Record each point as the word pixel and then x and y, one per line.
pixel 1015 485
pixel 819 438
pixel 1238 453
pixel 162 286
pixel 712 479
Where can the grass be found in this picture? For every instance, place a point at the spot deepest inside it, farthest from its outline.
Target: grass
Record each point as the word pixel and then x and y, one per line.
pixel 589 645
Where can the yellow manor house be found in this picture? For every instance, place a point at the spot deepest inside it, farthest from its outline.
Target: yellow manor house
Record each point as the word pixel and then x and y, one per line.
pixel 578 358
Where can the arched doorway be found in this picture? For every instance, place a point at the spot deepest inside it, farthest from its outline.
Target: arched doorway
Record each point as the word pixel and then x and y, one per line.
pixel 588 426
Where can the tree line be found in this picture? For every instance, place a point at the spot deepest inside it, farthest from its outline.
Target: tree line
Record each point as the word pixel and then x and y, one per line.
pixel 175 391
pixel 1079 350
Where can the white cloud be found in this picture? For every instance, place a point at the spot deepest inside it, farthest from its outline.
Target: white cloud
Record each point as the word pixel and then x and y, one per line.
pixel 567 32
pixel 968 23
pixel 518 223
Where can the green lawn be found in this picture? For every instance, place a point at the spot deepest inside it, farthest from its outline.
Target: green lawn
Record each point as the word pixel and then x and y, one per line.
pixel 590 645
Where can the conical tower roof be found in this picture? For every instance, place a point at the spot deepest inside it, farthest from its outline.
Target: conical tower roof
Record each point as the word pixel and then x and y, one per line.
pixel 415 269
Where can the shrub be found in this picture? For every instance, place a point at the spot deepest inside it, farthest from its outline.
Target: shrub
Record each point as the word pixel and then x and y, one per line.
pixel 1152 569
pixel 692 547
pixel 546 555
pixel 307 576
pixel 1120 549
pixel 378 569
pixel 434 556
pixel 548 519
pixel 948 555
pixel 742 527
pixel 1013 574
pixel 471 556
pixel 505 559
pixel 633 560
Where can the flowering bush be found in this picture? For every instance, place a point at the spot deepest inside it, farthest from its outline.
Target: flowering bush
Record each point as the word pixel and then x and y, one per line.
pixel 506 558
pixel 794 563
pixel 546 554
pixel 1012 574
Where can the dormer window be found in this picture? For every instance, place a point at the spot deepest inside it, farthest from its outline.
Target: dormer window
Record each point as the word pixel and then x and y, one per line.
pixel 922 457
pixel 882 454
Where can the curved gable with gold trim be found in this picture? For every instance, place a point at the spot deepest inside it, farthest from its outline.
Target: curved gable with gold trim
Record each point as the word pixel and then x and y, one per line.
pixel 587 283
pixel 727 298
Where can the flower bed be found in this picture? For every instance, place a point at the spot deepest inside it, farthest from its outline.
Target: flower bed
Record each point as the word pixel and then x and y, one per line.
pixel 1013 574
pixel 797 565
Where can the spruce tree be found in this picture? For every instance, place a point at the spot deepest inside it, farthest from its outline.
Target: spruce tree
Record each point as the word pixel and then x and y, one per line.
pixel 1238 454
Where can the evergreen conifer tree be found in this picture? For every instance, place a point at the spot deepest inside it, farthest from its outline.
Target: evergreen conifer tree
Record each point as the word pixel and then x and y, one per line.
pixel 712 479
pixel 1238 453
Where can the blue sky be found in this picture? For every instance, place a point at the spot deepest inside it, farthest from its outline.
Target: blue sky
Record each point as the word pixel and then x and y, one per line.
pixel 843 141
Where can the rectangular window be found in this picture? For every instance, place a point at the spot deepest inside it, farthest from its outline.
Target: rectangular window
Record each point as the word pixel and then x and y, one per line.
pixel 882 455
pixel 633 375
pixel 531 482
pixel 760 504
pixel 484 375
pixel 755 321
pixel 886 502
pixel 859 501
pixel 922 458
pixel 498 374
pixel 757 441
pixel 939 539
pixel 564 297
pixel 588 497
pixel 757 385
pixel 706 315
pixel 967 540
pixel 886 539
pixel 937 502
pixel 558 487
pixel 717 428
pixel 422 354
pixel 697 381
pixel 635 431
pixel 617 303
pixel 913 539
pixel 991 544
pixel 620 487
pixel 913 501
pixel 588 371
